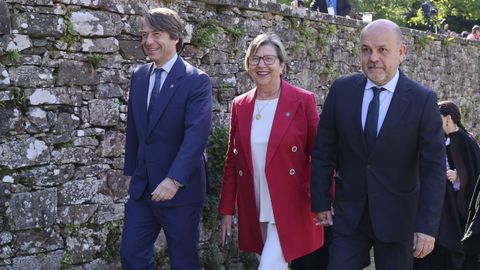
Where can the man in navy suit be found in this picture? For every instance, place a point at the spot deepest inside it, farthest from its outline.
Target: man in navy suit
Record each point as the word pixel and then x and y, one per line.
pixel 381 133
pixel 169 119
pixel 332 7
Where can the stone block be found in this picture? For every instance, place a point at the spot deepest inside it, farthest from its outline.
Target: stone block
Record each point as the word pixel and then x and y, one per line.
pixel 5 238
pixel 65 122
pixel 108 90
pixel 76 155
pixel 39 119
pixel 131 49
pixel 85 243
pixel 34 209
pixel 55 95
pixel 4 77
pixel 101 45
pixel 15 42
pixel 35 241
pixel 4 18
pixel 107 213
pixel 96 23
pixel 51 260
pixel 104 112
pixel 24 152
pixel 10 119
pixel 33 76
pixel 39 25
pixel 75 73
pixel 78 191
pixel 112 145
pixel 50 175
pixel 76 214
pixel 116 184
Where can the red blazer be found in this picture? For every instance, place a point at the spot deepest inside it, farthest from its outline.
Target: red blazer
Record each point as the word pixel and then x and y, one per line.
pixel 287 169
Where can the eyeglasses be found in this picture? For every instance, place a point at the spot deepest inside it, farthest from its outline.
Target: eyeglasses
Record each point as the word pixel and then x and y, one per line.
pixel 267 59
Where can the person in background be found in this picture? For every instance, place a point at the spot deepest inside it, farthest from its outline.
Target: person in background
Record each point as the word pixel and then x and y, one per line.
pixel 381 133
pixel 463 155
pixel 267 165
pixel 332 7
pixel 475 35
pixel 464 34
pixel 168 122
pixel 298 4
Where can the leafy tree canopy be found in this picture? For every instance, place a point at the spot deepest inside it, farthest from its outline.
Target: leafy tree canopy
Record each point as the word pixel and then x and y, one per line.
pixel 456 15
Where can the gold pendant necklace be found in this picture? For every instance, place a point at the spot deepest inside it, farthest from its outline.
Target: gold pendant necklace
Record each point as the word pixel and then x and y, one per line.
pixel 258 115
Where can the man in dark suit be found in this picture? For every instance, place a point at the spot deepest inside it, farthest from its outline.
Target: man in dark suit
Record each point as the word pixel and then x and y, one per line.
pixel 332 7
pixel 169 119
pixel 381 133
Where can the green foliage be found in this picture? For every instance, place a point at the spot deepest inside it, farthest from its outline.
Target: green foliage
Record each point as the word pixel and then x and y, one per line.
pixel 216 149
pixel 236 32
pixel 448 41
pixel 13 55
pixel 249 260
pixel 298 46
pixel 459 14
pixel 70 36
pixel 206 34
pixel 94 60
pixel 67 261
pixel 212 257
pixel 424 40
pixel 330 70
pixel 19 98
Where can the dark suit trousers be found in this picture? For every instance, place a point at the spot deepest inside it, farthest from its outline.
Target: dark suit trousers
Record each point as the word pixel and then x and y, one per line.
pixel 143 221
pixel 351 251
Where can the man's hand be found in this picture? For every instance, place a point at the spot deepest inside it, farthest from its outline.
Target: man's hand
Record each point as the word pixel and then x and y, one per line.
pixel 422 244
pixel 324 218
pixel 452 175
pixel 226 227
pixel 165 190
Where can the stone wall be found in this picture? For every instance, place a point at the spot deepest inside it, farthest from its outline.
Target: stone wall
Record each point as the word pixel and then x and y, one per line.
pixel 64 77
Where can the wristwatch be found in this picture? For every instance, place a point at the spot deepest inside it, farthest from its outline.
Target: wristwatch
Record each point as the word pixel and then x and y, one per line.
pixel 178 184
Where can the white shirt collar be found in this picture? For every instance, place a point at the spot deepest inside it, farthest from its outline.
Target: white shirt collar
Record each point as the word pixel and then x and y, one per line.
pixel 167 66
pixel 390 86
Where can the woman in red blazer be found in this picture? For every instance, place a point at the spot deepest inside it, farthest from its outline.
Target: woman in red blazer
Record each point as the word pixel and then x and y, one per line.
pixel 267 167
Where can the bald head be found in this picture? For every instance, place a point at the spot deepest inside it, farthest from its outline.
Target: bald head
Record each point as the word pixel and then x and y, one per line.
pixel 382 51
pixel 383 26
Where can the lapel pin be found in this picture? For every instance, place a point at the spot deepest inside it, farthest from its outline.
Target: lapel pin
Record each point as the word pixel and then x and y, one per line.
pixel 171 85
pixel 287 114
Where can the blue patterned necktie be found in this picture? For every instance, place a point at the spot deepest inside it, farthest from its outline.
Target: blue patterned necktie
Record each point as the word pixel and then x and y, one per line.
pixel 371 123
pixel 154 96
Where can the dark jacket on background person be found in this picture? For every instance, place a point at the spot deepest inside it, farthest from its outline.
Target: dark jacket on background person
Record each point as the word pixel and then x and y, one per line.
pixel 343 7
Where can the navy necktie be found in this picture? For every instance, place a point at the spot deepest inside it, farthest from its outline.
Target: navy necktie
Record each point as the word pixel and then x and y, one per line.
pixel 154 96
pixel 370 130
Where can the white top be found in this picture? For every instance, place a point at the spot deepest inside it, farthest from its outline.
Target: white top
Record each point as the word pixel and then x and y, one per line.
pixel 166 69
pixel 259 137
pixel 385 98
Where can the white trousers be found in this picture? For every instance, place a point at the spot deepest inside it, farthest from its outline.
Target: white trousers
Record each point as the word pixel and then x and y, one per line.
pixel 272 255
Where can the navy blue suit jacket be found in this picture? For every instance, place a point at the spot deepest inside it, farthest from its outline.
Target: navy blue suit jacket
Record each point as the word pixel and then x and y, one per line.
pixel 404 175
pixel 172 143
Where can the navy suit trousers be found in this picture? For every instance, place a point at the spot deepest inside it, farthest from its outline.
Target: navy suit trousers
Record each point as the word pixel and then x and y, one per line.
pixel 143 221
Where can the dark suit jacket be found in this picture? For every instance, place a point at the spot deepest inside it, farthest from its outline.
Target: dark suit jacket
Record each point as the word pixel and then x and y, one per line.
pixel 343 7
pixel 404 175
pixel 172 144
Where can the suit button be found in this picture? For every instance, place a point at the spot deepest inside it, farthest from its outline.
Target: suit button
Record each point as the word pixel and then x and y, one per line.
pixel 292 171
pixel 294 149
pixel 235 152
pixel 240 172
pixel 369 166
